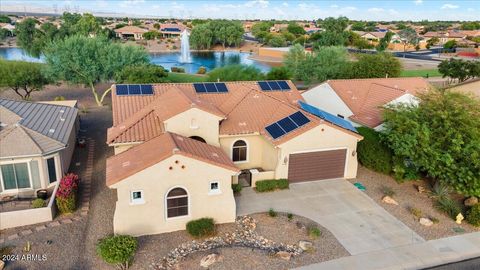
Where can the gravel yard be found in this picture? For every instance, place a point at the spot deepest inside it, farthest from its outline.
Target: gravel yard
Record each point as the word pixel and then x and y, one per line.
pixel 407 196
pixel 152 248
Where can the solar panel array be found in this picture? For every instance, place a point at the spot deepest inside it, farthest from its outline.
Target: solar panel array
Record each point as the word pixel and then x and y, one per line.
pixel 210 87
pixel 327 116
pixel 134 89
pixel 171 29
pixel 274 85
pixel 287 124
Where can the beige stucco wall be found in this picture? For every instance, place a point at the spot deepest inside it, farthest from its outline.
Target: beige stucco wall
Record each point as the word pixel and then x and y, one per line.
pixel 195 122
pixel 156 181
pixel 316 140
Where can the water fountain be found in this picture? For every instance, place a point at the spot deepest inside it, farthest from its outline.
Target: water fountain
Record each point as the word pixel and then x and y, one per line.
pixel 185 48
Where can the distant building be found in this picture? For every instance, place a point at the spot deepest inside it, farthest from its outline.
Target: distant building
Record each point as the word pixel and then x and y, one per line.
pixel 129 32
pixel 171 29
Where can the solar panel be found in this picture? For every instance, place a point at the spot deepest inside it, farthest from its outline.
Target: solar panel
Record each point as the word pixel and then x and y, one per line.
pixel 274 85
pixel 275 130
pixel 147 89
pixel 287 124
pixel 222 87
pixel 327 116
pixel 199 88
pixel 299 118
pixel 264 86
pixel 283 85
pixel 210 88
pixel 122 90
pixel 134 89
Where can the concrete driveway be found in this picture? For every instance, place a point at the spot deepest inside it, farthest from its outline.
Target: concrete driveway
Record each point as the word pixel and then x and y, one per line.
pixel 358 223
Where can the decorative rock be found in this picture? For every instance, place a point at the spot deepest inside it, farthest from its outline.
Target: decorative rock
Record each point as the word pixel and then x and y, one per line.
pixel 421 189
pixel 471 201
pixel 459 218
pixel 426 222
pixel 209 260
pixel 305 245
pixel 389 200
pixel 284 255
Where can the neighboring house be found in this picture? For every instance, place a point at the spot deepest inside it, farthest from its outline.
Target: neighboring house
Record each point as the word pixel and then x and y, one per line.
pixel 130 32
pixel 10 28
pixel 195 139
pixel 312 29
pixel 171 29
pixel 444 37
pixel 278 27
pixel 360 101
pixel 470 87
pixel 36 145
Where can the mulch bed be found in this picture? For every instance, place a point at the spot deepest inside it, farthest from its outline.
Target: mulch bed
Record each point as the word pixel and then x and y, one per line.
pixel 407 195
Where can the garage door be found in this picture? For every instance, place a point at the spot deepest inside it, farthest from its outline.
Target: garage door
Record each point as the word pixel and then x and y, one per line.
pixel 316 165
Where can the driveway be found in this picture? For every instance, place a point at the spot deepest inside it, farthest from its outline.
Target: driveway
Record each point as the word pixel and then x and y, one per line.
pixel 359 224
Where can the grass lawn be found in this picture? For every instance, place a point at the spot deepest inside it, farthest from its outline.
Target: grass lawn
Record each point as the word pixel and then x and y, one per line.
pixel 185 78
pixel 420 73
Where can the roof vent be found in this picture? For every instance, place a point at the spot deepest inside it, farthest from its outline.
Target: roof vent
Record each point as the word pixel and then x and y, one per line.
pixel 62 119
pixel 62 111
pixel 51 130
pixel 126 163
pixel 175 150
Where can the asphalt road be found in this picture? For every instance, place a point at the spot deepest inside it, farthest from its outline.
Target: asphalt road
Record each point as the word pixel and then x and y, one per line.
pixel 472 264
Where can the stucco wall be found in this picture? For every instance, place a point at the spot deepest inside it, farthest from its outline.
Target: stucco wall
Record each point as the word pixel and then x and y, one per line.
pixel 316 140
pixel 325 98
pixel 195 122
pixel 66 154
pixel 156 181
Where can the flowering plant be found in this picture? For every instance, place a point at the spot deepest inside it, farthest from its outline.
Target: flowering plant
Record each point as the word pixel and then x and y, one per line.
pixel 66 193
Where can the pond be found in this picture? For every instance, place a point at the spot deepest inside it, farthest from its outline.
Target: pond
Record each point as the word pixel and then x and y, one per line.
pixel 209 60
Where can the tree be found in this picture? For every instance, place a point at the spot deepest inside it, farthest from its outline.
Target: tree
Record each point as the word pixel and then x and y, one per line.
pixel 379 65
pixel 5 19
pixel 83 60
pixel 235 73
pixel 440 136
pixel 459 69
pixel 4 33
pixel 142 74
pixel 294 59
pixel 118 250
pixel 451 44
pixel 358 26
pixel 277 41
pixel 150 35
pixel 383 44
pixel 431 42
pixel 29 38
pixel 156 26
pixel 279 73
pixel 334 34
pixel 470 26
pixel 261 27
pixel 295 29
pixel 87 25
pixel 201 37
pixel 336 25
pixel 408 36
pixel 22 77
pixel 227 33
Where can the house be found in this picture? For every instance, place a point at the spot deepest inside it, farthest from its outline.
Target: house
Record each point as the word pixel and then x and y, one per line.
pixel 277 27
pixel 37 142
pixel 444 37
pixel 195 140
pixel 130 32
pixel 470 87
pixel 171 29
pixel 360 101
pixel 10 28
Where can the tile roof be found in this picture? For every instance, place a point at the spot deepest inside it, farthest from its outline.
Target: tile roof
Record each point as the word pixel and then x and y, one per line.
pixel 160 148
pixel 365 97
pixel 130 29
pixel 245 109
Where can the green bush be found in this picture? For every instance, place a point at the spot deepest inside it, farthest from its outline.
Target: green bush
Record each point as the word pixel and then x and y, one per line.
pixel 201 227
pixel 202 70
pixel 279 73
pixel 449 206
pixel 117 249
pixel 38 203
pixel 314 232
pixel 178 69
pixel 66 205
pixel 416 212
pixel 404 170
pixel 235 73
pixel 290 216
pixel 473 215
pixel 237 188
pixel 372 153
pixel 270 185
pixel 272 213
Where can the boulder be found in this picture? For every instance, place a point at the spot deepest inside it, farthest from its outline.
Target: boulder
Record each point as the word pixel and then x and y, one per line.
pixel 209 260
pixel 389 200
pixel 305 245
pixel 471 201
pixel 284 255
pixel 426 222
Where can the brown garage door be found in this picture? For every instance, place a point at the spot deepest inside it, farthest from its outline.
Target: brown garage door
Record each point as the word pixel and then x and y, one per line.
pixel 316 165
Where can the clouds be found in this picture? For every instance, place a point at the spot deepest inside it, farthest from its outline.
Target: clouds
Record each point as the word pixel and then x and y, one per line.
pixel 418 2
pixel 449 6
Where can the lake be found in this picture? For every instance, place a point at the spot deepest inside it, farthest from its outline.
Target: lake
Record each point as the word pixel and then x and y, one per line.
pixel 210 60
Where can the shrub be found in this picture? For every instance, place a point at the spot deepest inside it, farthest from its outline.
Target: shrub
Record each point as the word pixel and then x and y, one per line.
pixel 38 203
pixel 290 216
pixel 314 232
pixel 59 98
pixel 473 215
pixel 279 73
pixel 388 191
pixel 66 193
pixel 372 153
pixel 237 188
pixel 272 213
pixel 178 69
pixel 201 227
pixel 117 249
pixel 416 212
pixel 404 169
pixel 235 73
pixel 440 190
pixel 435 220
pixel 449 206
pixel 270 185
pixel 202 70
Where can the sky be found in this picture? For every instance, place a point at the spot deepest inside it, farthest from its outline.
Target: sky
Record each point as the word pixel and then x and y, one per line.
pixel 260 9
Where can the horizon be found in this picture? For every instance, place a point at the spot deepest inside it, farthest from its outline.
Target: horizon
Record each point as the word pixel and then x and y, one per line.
pixel 407 10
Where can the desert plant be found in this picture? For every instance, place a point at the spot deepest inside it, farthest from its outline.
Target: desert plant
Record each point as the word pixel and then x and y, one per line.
pixel 271 184
pixel 201 227
pixel 202 70
pixel 416 212
pixel 314 232
pixel 38 203
pixel 290 216
pixel 118 250
pixel 66 193
pixel 388 191
pixel 440 190
pixel 59 98
pixel 449 206
pixel 435 220
pixel 272 213
pixel 237 188
pixel 473 215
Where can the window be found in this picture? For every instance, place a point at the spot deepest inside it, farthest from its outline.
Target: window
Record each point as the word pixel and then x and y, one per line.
pixel 15 176
pixel 239 151
pixel 52 172
pixel 136 197
pixel 214 188
pixel 177 203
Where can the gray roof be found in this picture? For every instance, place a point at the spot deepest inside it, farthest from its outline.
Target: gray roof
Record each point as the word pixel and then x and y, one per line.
pixel 39 128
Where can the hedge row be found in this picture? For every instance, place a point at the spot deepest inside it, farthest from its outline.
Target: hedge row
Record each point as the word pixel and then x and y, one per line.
pixel 270 185
pixel 372 152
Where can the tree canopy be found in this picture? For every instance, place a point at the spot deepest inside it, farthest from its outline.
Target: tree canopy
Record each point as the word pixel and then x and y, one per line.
pixel 142 74
pixel 227 33
pixel 408 36
pixel 83 60
pixel 459 69
pixel 378 65
pixel 235 73
pixel 22 77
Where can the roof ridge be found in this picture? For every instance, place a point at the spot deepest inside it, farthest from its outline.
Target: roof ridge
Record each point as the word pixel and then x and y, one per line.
pixel 120 131
pixel 33 102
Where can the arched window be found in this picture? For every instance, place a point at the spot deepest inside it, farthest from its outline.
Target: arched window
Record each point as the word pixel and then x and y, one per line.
pixel 239 151
pixel 177 203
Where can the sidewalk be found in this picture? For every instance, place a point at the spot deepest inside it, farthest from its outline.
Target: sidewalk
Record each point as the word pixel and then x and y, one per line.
pixel 415 256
